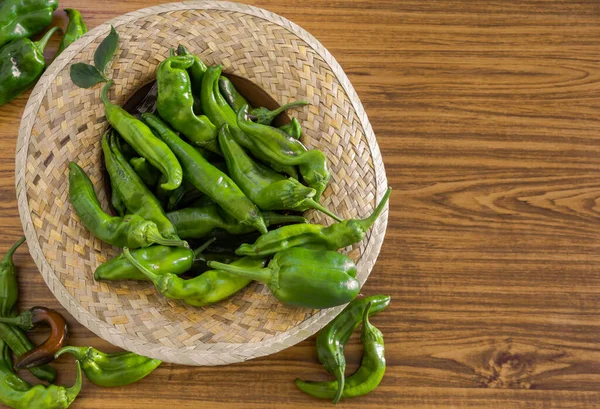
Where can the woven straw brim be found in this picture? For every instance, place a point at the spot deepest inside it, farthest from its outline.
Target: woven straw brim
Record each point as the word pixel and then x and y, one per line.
pixel 63 123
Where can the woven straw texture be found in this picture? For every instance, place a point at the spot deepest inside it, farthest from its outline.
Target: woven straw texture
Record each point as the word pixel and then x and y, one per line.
pixel 63 123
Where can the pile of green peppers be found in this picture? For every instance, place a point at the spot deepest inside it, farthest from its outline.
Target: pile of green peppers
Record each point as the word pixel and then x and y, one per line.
pixel 22 60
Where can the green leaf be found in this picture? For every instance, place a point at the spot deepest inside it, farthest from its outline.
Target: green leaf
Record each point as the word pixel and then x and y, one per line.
pixel 105 51
pixel 86 75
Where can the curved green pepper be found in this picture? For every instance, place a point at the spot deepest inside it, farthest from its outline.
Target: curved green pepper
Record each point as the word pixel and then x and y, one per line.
pixel 210 287
pixel 75 30
pixel 128 231
pixel 143 141
pixel 266 188
pixel 199 222
pixel 21 64
pixel 332 339
pixel 305 278
pixel 208 179
pixel 175 102
pixel 293 129
pixel 24 18
pixel 118 369
pixel 145 171
pixel 314 236
pixel 235 100
pixel 19 394
pixel 280 148
pixel 196 71
pixel 366 378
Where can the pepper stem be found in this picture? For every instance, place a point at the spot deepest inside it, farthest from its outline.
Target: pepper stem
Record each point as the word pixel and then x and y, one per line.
pixel 41 45
pixel 72 392
pixel 203 247
pixel 143 269
pixel 23 321
pixel 265 116
pixel 11 252
pixel 78 352
pixel 369 221
pixel 105 89
pixel 153 236
pixel 263 275
pixel 313 204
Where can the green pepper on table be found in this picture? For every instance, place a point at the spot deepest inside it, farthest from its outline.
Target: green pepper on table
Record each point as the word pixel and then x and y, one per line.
pixel 24 18
pixel 75 30
pixel 314 236
pixel 21 64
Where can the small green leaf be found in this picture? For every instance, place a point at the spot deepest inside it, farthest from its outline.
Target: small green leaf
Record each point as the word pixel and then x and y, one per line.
pixel 86 75
pixel 105 51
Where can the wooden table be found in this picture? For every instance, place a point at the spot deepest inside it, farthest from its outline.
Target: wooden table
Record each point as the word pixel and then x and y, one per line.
pixel 487 117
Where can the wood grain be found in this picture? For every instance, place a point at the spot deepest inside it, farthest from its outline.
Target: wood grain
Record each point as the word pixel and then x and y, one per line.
pixel 487 117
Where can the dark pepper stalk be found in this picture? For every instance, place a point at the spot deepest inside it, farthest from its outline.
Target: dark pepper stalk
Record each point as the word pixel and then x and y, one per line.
pixel 208 288
pixel 199 222
pixel 366 378
pixel 208 179
pixel 19 394
pixel 75 30
pixel 143 141
pixel 21 65
pixel 108 370
pixel 332 339
pixel 280 148
pixel 266 188
pixel 314 236
pixel 24 18
pixel 304 278
pixel 175 102
pixel 44 353
pixel 130 230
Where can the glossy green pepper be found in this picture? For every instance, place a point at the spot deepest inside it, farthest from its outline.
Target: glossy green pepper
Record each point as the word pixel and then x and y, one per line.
pixel 208 288
pixel 208 179
pixel 146 172
pixel 268 189
pixel 199 222
pixel 175 102
pixel 107 370
pixel 24 18
pixel 280 148
pixel 332 339
pixel 366 378
pixel 130 230
pixel 235 100
pixel 314 236
pixel 143 141
pixel 220 113
pixel 19 394
pixel 304 278
pixel 75 30
pixel 293 129
pixel 21 64
pixel 132 190
pixel 9 293
pixel 196 71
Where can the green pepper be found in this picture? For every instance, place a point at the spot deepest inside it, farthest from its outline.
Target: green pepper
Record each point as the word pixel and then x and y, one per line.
pixel 208 179
pixel 161 259
pixel 75 30
pixel 280 148
pixel 132 190
pixel 235 100
pixel 107 370
pixel 332 339
pixel 130 230
pixel 145 171
pixel 143 141
pixel 220 113
pixel 199 222
pixel 24 18
pixel 293 129
pixel 175 102
pixel 268 189
pixel 196 71
pixel 314 236
pixel 304 278
pixel 9 292
pixel 21 64
pixel 366 378
pixel 208 288
pixel 19 394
